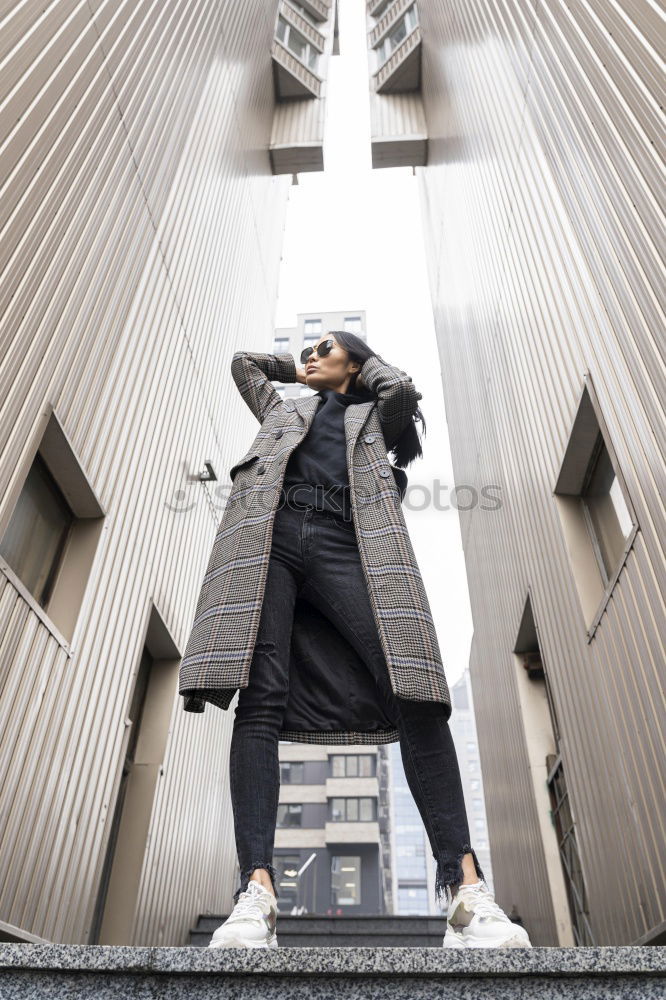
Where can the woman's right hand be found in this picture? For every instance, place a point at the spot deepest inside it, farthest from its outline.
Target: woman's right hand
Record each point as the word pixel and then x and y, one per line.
pixel 300 374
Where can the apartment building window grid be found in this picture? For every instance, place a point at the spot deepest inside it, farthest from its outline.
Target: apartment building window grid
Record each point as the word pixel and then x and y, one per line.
pixel 353 810
pixel 291 772
pixel 290 814
pixel 280 345
pixel 312 328
pixel 297 44
pixel 394 39
pixel 352 765
pixel 287 866
pixel 412 861
pixel 352 324
pixel 345 880
pixel 305 14
pixel 381 10
pixel 412 901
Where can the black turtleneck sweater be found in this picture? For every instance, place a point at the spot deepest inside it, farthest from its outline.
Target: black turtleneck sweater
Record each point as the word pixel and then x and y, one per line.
pixel 316 472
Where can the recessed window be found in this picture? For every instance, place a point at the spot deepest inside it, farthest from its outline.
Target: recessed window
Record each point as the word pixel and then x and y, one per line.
pixel 290 814
pixel 396 36
pixel 352 810
pixel 312 328
pixel 353 324
pixel 472 765
pixel 609 520
pixel 572 868
pixel 310 341
pixel 297 43
pixel 477 804
pixel 471 746
pixel 345 880
pixel 37 533
pixel 280 345
pixel 291 772
pixel 48 546
pixel 475 784
pixel 596 514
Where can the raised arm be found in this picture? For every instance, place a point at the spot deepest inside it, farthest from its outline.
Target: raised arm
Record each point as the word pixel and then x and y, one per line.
pixel 253 374
pixel 398 398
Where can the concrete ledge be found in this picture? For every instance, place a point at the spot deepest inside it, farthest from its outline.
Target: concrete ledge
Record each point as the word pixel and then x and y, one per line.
pixel 103 971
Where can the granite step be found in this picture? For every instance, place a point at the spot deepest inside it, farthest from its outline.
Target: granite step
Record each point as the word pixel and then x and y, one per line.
pixel 108 972
pixel 311 931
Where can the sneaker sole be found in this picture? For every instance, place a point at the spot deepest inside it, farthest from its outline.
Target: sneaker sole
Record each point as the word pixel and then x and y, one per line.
pixel 512 942
pixel 238 942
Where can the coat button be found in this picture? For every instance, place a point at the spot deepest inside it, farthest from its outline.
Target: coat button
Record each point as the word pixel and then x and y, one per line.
pixel 279 432
pixel 384 472
pixel 369 438
pixel 261 470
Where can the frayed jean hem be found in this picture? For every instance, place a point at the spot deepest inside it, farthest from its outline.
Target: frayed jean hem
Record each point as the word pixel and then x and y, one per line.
pixel 449 876
pixel 245 878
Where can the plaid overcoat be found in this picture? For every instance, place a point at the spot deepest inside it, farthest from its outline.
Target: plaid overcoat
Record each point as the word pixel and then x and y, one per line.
pixel 219 650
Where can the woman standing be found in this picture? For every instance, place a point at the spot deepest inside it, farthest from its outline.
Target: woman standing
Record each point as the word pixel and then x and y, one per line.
pixel 336 554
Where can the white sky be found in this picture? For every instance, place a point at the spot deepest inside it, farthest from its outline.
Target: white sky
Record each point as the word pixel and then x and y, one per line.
pixel 353 240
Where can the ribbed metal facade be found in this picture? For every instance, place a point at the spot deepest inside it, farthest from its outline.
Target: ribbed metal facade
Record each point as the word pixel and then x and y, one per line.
pixel 140 240
pixel 542 204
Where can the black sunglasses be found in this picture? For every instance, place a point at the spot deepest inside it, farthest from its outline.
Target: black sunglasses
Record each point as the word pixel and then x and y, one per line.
pixel 322 350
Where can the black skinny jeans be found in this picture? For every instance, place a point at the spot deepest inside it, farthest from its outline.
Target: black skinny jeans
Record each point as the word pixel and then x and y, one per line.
pixel 315 553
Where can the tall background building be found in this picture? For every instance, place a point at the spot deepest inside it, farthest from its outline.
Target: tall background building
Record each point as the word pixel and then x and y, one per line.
pixel 309 328
pixel 146 162
pixel 331 849
pixel 537 139
pixel 465 738
pixel 413 864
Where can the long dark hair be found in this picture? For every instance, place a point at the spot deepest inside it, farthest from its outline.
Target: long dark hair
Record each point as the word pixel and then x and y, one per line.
pixel 407 446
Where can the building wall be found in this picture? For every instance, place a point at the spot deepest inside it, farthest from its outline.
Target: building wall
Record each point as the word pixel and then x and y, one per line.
pixel 141 236
pixel 544 237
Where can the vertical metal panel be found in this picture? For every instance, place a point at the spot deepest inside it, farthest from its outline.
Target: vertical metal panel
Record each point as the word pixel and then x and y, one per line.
pixel 140 233
pixel 545 231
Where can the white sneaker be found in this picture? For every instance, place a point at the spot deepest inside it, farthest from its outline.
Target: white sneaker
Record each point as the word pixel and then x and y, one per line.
pixel 251 924
pixel 475 920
